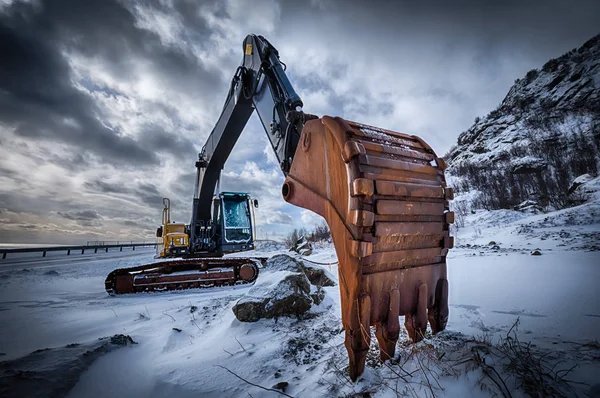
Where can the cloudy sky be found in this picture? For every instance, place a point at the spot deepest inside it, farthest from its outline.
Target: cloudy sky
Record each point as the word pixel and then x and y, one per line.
pixel 105 104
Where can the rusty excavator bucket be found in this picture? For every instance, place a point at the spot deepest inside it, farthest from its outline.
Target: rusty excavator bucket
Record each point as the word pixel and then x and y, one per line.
pixel 384 197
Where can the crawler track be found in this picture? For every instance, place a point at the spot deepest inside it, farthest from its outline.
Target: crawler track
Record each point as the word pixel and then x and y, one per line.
pixel 183 274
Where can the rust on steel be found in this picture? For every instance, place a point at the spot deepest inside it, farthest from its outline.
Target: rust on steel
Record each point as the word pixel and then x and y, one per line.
pixel 384 197
pixel 183 274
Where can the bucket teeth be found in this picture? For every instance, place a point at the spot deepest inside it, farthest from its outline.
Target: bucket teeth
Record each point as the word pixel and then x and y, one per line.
pixel 384 197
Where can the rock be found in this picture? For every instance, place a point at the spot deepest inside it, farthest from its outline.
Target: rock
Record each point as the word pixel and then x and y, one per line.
pixel 536 253
pixel 317 295
pixel 317 276
pixel 303 247
pixel 283 262
pixel 281 289
pixel 248 310
pixel 528 165
pixel 492 243
pixel 121 339
pixel 579 181
pixel 529 206
pixel 282 385
pixel 51 273
pixel 495 247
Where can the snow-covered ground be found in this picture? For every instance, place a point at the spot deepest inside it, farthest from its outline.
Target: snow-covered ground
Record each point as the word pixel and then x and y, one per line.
pixel 494 280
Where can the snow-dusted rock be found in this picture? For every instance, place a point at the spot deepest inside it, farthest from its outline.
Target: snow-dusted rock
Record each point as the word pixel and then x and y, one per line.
pixel 282 289
pixel 585 188
pixel 529 206
pixel 579 181
pixel 52 372
pixel 317 276
pixel 302 247
pixel 528 165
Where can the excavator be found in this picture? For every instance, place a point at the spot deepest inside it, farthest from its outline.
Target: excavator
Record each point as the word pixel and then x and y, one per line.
pixel 382 193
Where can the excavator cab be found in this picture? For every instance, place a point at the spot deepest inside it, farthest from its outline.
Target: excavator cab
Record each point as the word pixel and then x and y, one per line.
pixel 235 221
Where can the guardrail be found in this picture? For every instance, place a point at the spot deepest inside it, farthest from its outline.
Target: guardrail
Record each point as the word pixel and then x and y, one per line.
pixel 83 248
pixel 111 242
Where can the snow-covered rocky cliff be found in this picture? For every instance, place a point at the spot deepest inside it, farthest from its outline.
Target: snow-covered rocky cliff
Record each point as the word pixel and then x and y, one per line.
pixel 544 134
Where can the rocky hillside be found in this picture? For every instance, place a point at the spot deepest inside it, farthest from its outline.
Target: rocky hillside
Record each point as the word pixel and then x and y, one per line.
pixel 544 134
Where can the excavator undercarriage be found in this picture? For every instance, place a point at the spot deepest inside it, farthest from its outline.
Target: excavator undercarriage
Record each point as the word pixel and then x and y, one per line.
pixel 183 274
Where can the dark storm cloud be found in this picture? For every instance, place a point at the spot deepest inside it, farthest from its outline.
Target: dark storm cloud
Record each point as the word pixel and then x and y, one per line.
pixel 21 203
pixel 37 95
pixel 81 215
pixel 106 187
pixel 196 24
pixel 549 24
pixel 38 98
pixel 4 172
pixel 85 218
pixel 172 142
pixel 149 194
pixel 144 192
pixel 183 185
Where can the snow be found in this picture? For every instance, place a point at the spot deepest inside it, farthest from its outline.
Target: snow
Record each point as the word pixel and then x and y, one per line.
pixel 553 295
pixel 587 188
pixel 269 286
pixel 582 179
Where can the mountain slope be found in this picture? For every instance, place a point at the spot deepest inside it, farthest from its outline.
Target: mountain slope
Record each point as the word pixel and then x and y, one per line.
pixel 544 134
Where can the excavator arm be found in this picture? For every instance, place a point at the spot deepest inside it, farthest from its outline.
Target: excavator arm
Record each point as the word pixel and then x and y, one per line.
pixel 382 193
pixel 260 84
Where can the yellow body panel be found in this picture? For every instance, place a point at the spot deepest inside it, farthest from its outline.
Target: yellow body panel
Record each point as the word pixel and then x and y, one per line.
pixel 173 234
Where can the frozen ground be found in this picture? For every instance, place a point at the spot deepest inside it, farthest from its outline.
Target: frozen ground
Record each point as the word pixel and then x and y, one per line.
pixel 60 300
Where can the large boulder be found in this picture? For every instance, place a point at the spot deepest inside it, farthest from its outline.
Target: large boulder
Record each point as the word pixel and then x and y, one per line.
pixel 281 289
